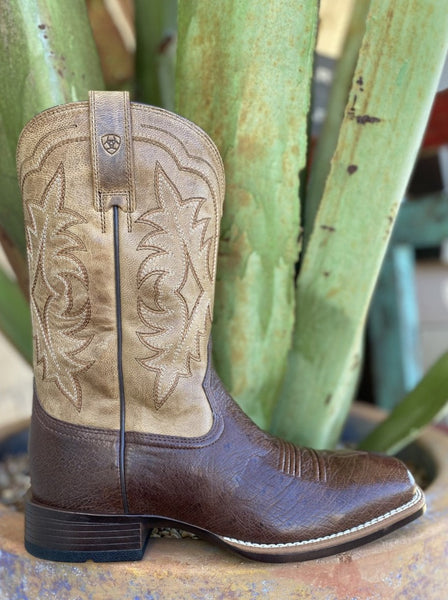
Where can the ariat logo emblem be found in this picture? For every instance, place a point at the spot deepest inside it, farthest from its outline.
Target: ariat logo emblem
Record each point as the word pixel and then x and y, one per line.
pixel 111 142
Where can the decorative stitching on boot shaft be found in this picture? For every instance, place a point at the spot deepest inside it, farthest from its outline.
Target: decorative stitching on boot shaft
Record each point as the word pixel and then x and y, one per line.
pixel 59 296
pixel 174 283
pixel 190 176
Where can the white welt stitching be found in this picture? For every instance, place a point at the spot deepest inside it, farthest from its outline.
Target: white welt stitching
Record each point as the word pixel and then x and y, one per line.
pixel 417 497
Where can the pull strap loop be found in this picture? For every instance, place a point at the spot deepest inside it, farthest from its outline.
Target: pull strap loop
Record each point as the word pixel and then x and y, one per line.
pixel 111 147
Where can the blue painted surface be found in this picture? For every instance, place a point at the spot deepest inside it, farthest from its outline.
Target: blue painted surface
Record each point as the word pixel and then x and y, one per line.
pixel 422 223
pixel 408 327
pixel 16 444
pixel 393 318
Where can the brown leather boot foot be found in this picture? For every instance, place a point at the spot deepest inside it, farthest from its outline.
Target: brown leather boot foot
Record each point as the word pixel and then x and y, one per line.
pixel 131 427
pixel 237 486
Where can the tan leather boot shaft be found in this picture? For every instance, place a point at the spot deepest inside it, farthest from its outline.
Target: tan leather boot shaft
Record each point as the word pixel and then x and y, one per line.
pixel 122 205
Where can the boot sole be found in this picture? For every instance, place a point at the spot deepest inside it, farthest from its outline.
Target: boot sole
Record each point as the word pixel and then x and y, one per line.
pixel 67 536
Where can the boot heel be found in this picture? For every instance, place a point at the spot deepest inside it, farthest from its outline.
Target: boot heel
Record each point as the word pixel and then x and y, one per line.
pixel 66 536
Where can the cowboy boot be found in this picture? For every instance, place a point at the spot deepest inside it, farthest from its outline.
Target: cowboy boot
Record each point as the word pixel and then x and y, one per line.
pixel 131 427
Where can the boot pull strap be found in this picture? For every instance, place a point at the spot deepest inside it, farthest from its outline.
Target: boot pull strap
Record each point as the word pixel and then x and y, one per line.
pixel 111 146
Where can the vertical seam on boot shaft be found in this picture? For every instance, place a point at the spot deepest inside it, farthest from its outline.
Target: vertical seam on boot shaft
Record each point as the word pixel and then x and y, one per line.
pixel 121 457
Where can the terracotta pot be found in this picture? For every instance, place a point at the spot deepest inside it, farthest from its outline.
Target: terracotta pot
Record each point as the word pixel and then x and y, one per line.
pixel 408 564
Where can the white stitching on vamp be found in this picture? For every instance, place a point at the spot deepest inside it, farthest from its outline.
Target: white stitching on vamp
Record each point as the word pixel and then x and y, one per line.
pixel 418 496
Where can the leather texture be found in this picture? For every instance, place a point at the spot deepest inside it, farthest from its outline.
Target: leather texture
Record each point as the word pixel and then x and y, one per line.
pixel 72 466
pixel 240 482
pixel 169 186
pixel 236 481
pixel 111 150
pixel 110 183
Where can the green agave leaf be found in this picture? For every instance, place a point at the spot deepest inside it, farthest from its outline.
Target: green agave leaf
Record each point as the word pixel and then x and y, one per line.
pixel 243 74
pixel 155 60
pixel 47 57
pixel 392 91
pixel 425 403
pixel 326 144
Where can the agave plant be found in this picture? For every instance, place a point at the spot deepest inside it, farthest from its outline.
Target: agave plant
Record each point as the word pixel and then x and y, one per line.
pixel 288 349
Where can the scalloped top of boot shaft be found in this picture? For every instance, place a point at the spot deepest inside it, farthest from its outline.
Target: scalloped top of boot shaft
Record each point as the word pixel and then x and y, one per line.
pixel 195 138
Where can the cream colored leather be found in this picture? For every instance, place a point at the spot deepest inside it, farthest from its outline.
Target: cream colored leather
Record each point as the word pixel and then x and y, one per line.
pixel 166 176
